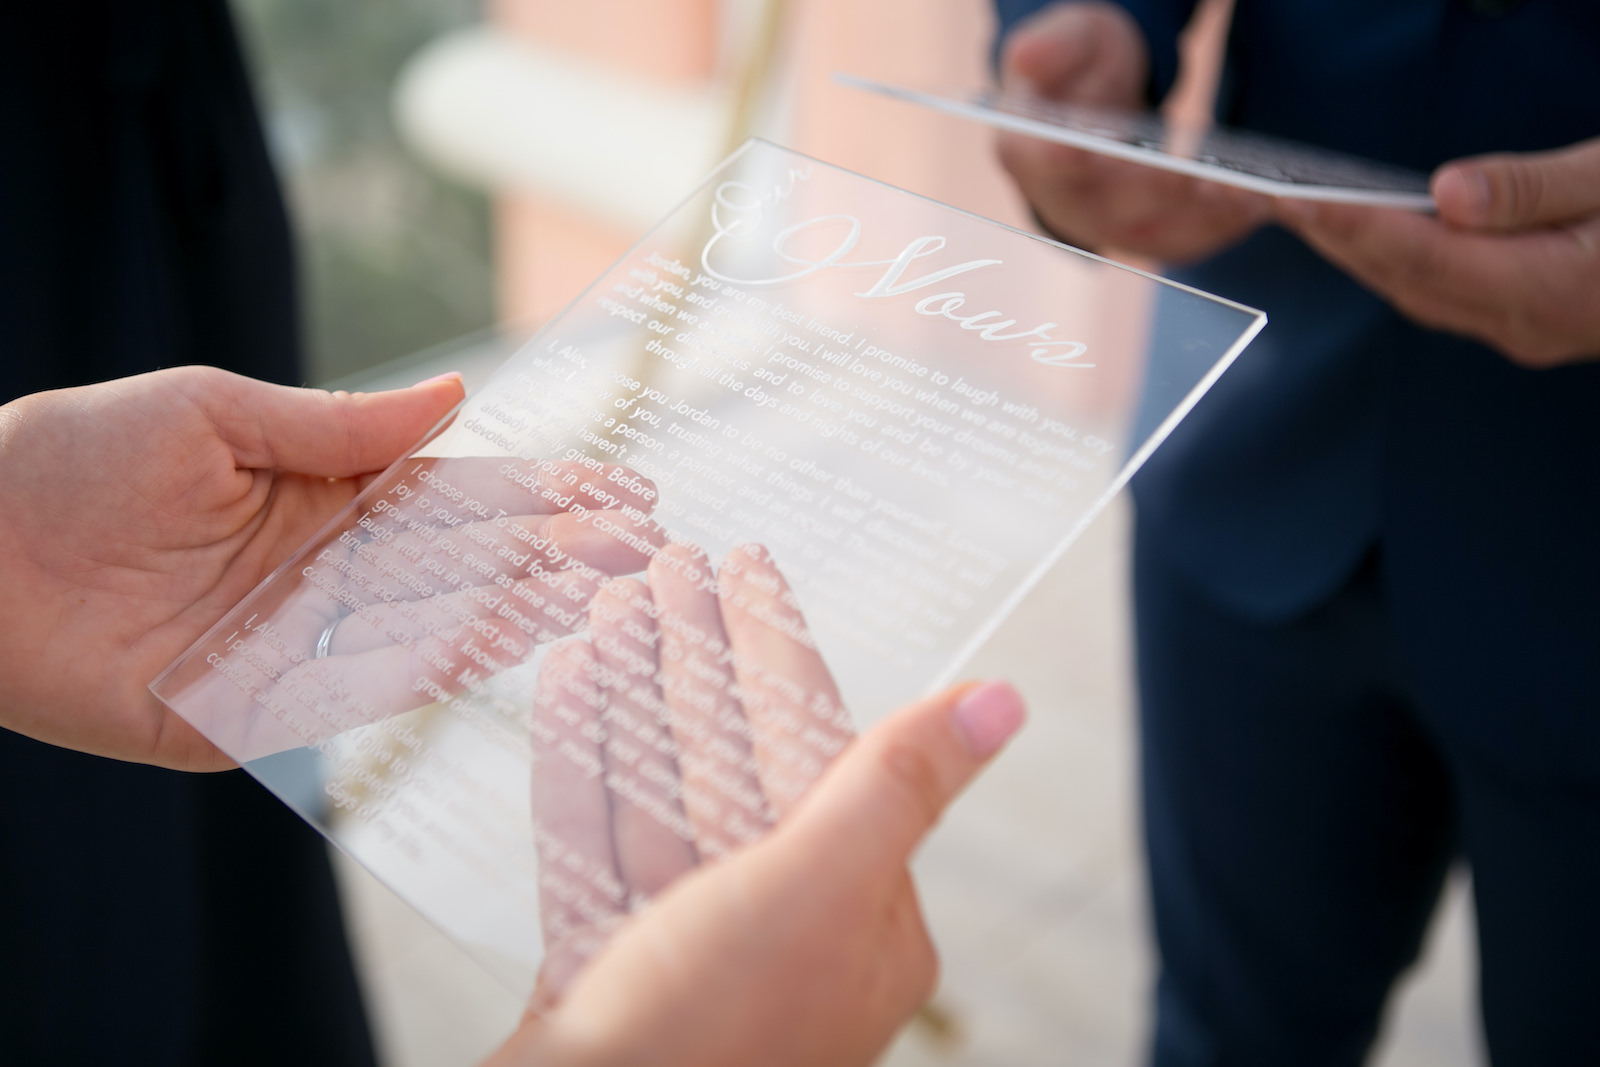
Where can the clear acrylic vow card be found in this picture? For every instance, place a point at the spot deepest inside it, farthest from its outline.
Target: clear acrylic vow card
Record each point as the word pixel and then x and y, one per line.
pixel 1245 160
pixel 779 471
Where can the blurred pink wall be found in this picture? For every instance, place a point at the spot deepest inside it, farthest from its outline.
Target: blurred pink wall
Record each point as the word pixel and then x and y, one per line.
pixel 902 42
pixel 671 40
pixel 547 252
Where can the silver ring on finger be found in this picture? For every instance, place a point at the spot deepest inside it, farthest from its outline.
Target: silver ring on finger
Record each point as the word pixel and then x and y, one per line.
pixel 325 641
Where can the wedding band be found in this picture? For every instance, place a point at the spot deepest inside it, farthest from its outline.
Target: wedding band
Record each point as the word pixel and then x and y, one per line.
pixel 326 639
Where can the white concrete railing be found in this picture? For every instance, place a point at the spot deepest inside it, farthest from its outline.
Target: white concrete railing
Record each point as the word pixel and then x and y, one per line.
pixel 504 114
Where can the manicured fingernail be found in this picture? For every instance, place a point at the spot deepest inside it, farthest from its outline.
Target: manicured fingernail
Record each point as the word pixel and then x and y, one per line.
pixel 439 378
pixel 987 716
pixel 1466 191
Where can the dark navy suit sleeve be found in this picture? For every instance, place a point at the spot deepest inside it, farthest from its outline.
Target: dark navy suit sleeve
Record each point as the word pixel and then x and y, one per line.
pixel 1161 20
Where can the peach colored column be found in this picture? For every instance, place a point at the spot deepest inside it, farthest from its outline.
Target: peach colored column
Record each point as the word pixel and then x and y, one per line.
pixel 910 42
pixel 947 45
pixel 547 252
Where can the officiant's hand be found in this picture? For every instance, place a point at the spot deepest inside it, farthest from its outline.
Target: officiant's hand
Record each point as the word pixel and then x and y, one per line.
pixel 1512 259
pixel 134 513
pixel 808 947
pixel 1092 53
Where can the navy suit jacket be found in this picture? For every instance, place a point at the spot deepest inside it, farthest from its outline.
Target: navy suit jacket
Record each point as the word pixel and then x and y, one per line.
pixel 1345 427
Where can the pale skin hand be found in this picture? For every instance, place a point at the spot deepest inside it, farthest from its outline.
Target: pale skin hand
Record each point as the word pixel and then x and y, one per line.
pixel 403 622
pixel 1511 260
pixel 807 948
pixel 1093 54
pixel 691 660
pixel 133 514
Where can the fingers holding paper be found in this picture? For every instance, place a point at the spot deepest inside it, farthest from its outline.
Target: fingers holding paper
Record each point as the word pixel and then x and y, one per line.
pixel 1511 260
pixel 1094 54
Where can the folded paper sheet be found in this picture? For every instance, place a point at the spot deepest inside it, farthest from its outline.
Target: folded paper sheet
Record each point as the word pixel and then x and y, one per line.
pixel 779 471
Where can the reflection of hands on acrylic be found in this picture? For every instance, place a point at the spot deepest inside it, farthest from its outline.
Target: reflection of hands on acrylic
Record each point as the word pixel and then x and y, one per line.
pixel 135 513
pixel 808 947
pixel 695 716
pixel 1092 53
pixel 1512 259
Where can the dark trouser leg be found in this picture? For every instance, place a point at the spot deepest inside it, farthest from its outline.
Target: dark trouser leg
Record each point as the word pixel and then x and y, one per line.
pixel 1535 854
pixel 1298 824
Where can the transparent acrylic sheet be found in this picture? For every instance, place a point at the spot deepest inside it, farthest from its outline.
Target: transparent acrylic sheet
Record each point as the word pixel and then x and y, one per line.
pixel 1229 157
pixel 779 471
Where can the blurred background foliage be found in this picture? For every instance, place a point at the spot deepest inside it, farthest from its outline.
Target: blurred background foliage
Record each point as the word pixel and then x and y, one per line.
pixel 393 257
